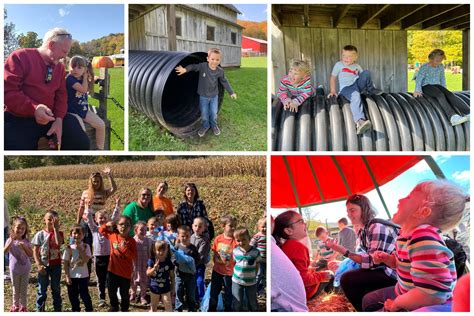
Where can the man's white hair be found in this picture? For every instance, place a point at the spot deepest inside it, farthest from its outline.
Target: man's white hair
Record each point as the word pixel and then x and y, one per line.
pixel 52 36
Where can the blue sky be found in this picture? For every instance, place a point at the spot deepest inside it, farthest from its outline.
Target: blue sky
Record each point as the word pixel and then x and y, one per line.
pixel 455 168
pixel 252 12
pixel 84 21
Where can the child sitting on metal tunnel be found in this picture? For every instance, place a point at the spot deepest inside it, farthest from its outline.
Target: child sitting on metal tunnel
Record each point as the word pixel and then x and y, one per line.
pixel 352 81
pixel 431 81
pixel 210 75
pixel 295 88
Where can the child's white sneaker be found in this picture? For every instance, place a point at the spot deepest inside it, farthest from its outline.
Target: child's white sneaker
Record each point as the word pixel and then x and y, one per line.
pixel 102 303
pixel 363 126
pixel 202 131
pixel 457 119
pixel 216 130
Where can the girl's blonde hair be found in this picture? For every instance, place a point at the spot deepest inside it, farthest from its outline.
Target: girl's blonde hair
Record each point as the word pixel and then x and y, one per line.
pixel 436 52
pixel 301 65
pixel 160 244
pixel 446 201
pixel 90 188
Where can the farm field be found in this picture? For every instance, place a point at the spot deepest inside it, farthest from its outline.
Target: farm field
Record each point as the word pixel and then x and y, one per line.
pixel 243 121
pixel 227 185
pixel 114 113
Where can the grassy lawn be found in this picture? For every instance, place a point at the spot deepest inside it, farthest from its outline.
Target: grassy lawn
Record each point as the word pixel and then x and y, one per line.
pixel 453 82
pixel 114 113
pixel 243 121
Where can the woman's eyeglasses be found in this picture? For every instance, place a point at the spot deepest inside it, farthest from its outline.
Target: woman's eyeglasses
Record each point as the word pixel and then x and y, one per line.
pixel 301 220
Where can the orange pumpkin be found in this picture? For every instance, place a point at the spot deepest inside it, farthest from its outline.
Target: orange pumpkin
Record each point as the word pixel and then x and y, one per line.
pixel 102 62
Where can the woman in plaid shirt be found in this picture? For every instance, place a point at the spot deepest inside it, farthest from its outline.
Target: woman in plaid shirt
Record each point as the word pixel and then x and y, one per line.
pixel 374 235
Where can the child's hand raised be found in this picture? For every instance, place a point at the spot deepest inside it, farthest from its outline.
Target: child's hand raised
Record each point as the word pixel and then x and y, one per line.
pixel 180 70
pixel 233 96
pixel 107 171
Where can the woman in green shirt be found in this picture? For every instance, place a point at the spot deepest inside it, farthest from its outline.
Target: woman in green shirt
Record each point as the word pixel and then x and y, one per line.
pixel 140 210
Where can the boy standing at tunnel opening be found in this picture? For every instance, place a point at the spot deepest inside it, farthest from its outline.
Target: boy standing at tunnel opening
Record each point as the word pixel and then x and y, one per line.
pixel 210 75
pixel 353 81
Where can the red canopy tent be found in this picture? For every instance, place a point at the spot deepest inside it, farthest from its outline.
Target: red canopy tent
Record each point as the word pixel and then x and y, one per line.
pixel 300 181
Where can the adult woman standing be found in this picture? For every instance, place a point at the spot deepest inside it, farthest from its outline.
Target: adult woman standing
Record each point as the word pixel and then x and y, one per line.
pixel 160 202
pixel 140 210
pixel 375 234
pixel 193 207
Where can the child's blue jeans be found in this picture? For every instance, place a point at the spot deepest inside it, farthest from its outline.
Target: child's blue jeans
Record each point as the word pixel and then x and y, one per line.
pixel 261 279
pixel 200 282
pixel 53 273
pixel 209 108
pixel 238 292
pixel 217 280
pixel 78 288
pixel 352 93
pixel 185 287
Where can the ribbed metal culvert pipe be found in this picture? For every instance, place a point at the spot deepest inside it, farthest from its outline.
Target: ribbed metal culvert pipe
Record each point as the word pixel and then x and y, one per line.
pixel 166 98
pixel 400 123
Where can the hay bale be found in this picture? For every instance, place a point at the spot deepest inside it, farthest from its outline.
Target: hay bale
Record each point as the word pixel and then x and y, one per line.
pixel 330 302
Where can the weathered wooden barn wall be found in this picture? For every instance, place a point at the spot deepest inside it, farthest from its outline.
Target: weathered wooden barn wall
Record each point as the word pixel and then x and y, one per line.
pixel 382 52
pixel 150 31
pixel 466 62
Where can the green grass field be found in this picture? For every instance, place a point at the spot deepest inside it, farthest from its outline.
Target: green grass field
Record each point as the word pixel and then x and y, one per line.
pixel 453 82
pixel 243 122
pixel 114 113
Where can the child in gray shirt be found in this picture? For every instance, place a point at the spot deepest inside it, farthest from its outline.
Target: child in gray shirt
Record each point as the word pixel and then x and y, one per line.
pixel 352 81
pixel 210 74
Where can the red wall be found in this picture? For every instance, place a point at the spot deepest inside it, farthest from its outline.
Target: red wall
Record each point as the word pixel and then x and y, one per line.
pixel 255 46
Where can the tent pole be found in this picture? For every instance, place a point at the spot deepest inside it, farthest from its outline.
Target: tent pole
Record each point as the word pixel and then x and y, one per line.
pixel 434 167
pixel 341 174
pixel 369 170
pixel 293 185
pixel 318 185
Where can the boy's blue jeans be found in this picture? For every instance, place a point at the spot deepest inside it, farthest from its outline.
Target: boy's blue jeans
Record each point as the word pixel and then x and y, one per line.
pixel 53 272
pixel 209 108
pixel 217 280
pixel 352 93
pixel 78 288
pixel 238 292
pixel 200 284
pixel 185 286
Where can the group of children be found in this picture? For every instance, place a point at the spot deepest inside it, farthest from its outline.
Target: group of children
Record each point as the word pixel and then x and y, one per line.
pixel 296 87
pixel 164 258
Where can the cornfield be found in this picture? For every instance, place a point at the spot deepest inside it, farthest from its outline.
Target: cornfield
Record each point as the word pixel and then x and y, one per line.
pixel 218 166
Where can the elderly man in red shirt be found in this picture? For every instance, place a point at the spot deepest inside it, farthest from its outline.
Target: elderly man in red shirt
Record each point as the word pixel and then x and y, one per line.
pixel 36 98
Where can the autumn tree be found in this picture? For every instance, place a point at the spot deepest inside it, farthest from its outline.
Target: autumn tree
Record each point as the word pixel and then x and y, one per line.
pixel 421 43
pixel 29 40
pixel 10 38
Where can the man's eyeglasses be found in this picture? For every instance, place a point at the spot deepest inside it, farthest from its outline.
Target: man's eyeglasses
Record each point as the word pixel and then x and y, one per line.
pixel 298 221
pixel 49 74
pixel 69 36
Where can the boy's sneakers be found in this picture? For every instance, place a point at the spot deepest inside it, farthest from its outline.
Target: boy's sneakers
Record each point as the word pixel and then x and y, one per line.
pixel 363 126
pixel 457 119
pixel 216 130
pixel 102 303
pixel 202 131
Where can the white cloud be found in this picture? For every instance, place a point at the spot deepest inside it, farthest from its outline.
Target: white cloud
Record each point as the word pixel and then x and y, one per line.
pixel 64 11
pixel 461 176
pixel 420 167
pixel 441 159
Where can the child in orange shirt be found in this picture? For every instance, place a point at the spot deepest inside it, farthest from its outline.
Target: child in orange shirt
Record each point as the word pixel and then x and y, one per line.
pixel 222 249
pixel 123 250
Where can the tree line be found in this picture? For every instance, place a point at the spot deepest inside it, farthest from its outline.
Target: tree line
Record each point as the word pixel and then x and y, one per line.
pixel 107 45
pixel 421 43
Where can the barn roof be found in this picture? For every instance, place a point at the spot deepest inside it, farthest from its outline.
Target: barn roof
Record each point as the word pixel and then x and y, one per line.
pixel 255 39
pixel 374 16
pixel 232 7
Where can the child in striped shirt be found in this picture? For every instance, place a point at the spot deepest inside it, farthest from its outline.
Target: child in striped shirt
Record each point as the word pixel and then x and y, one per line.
pixel 324 254
pixel 244 279
pixel 425 265
pixel 295 87
pixel 259 241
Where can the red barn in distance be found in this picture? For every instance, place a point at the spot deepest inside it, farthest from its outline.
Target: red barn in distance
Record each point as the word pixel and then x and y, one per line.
pixel 253 46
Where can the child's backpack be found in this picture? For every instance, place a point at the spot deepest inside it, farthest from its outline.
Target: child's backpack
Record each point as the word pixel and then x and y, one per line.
pixel 459 255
